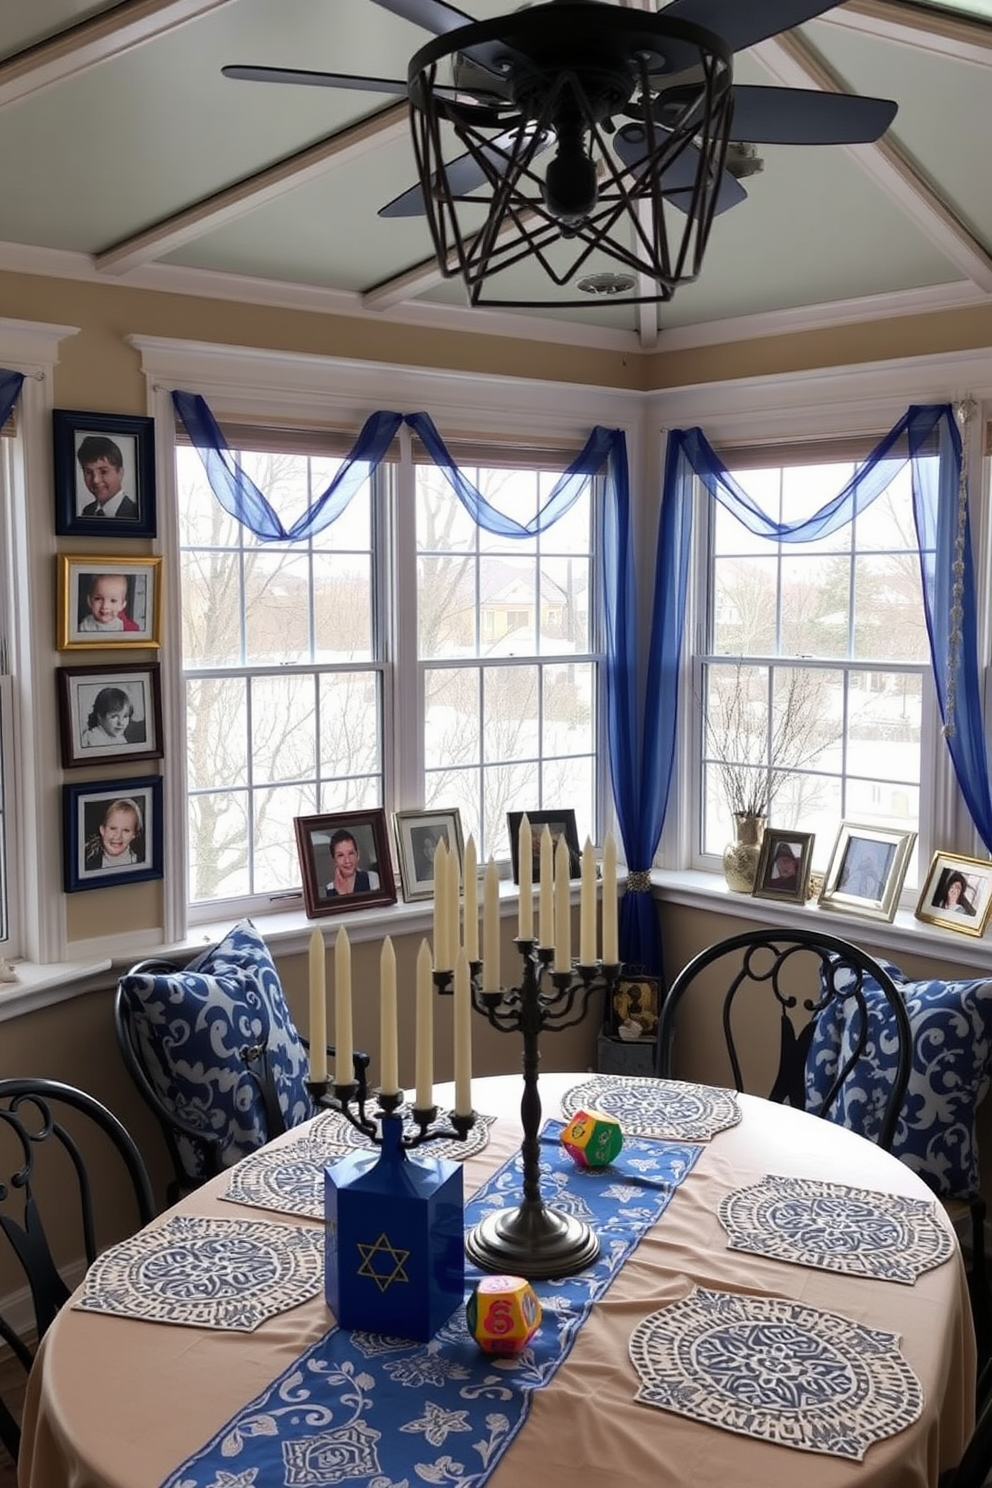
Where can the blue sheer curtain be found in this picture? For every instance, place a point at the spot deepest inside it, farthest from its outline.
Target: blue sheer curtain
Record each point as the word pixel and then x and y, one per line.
pixel 10 390
pixel 926 436
pixel 604 452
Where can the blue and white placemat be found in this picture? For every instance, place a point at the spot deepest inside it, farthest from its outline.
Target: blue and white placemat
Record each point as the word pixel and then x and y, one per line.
pixel 207 1273
pixel 837 1228
pixel 674 1110
pixel 374 1410
pixel 775 1369
pixel 289 1178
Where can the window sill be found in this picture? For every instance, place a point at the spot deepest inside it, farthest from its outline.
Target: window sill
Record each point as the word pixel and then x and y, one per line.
pixel 905 934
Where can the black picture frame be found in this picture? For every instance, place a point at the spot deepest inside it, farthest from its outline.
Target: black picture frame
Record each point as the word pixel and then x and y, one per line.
pixel 74 433
pixel 789 879
pixel 561 822
pixel 314 836
pixel 107 804
pixel 87 692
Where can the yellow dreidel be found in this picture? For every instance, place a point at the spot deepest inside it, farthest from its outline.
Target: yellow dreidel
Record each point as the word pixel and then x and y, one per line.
pixel 503 1314
pixel 592 1139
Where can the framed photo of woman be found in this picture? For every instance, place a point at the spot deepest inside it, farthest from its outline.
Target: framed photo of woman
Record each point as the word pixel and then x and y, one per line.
pixel 345 861
pixel 957 894
pixel 109 713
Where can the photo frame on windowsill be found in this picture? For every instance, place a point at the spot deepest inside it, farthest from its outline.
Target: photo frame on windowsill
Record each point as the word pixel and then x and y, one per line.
pixel 783 866
pixel 417 836
pixel 104 467
pixel 866 871
pixel 561 824
pixel 957 894
pixel 342 848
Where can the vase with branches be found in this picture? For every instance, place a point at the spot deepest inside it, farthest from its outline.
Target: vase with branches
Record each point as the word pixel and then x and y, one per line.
pixel 762 725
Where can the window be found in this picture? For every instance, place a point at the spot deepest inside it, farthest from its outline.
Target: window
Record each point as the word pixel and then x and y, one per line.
pixel 820 647
pixel 282 669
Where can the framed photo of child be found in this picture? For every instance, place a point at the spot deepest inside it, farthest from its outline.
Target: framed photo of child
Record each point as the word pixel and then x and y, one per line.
pixel 109 713
pixel 108 602
pixel 104 474
pixel 112 832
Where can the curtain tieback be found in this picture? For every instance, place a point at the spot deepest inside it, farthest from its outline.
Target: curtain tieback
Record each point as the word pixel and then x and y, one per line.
pixel 639 882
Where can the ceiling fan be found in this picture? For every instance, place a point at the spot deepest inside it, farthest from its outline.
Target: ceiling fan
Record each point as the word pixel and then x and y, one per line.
pixel 639 107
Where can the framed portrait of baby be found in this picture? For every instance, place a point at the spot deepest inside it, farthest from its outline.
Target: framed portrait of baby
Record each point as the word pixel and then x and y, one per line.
pixel 109 713
pixel 108 602
pixel 104 474
pixel 112 832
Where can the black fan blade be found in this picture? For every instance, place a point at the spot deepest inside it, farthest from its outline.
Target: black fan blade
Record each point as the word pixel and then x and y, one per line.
pixel 801 116
pixel 314 79
pixel 678 181
pixel 464 175
pixel 744 25
pixel 436 16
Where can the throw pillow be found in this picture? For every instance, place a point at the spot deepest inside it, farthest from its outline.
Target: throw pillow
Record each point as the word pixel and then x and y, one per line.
pixel 951 1024
pixel 192 1026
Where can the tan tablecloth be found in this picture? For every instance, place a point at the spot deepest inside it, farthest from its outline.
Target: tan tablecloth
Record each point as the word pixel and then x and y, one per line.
pixel 114 1403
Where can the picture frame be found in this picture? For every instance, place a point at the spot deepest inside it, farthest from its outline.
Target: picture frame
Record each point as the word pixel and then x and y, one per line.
pixel 110 820
pixel 109 713
pixel 104 465
pixel 966 912
pixel 417 836
pixel 866 870
pixel 315 842
pixel 783 866
pixel 634 1007
pixel 96 592
pixel 561 823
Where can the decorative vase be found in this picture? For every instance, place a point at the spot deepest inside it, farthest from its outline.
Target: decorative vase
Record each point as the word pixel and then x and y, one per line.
pixel 740 857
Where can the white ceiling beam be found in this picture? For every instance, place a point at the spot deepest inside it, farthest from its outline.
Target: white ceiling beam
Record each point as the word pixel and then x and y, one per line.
pixel 942 33
pixel 93 41
pixel 795 63
pixel 254 191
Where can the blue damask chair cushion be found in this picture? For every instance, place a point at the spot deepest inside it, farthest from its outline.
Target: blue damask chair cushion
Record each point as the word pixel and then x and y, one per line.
pixel 951 1024
pixel 192 1027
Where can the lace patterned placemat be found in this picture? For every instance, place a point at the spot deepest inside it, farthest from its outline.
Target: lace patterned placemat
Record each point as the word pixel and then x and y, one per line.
pixel 207 1273
pixel 837 1228
pixel 289 1178
pixel 674 1110
pixel 775 1369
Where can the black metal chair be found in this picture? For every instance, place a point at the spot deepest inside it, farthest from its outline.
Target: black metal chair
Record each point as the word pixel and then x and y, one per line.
pixel 44 1122
pixel 804 972
pixel 205 1145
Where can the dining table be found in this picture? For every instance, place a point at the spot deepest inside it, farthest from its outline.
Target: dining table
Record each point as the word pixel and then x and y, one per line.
pixel 790 1304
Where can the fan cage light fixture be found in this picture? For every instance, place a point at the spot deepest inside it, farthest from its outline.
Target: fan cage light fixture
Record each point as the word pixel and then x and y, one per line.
pixel 642 194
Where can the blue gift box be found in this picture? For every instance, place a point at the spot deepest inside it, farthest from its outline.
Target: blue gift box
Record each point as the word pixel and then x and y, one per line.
pixel 395 1252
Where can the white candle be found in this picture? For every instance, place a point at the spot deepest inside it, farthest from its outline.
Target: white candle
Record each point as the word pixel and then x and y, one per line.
pixel 389 1082
pixel 546 894
pixel 442 960
pixel 611 954
pixel 587 907
pixel 563 908
pixel 525 878
pixel 344 1060
pixel 490 929
pixel 462 1037
pixel 425 1029
pixel 318 1009
pixel 453 900
pixel 471 933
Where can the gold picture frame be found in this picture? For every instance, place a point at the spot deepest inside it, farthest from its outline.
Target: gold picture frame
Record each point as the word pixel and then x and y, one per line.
pixel 109 602
pixel 957 894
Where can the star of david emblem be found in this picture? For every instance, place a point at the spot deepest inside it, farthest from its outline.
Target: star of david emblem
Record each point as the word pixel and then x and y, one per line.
pixel 395 1258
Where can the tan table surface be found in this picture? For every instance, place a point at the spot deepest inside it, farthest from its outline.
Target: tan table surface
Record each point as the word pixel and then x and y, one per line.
pixel 114 1403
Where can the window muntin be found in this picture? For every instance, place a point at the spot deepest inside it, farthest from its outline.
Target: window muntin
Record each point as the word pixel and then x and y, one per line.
pixel 838 622
pixel 283 684
pixel 511 673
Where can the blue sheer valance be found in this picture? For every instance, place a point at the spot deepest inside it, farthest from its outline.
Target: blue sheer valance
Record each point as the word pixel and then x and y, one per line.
pixel 10 390
pixel 929 438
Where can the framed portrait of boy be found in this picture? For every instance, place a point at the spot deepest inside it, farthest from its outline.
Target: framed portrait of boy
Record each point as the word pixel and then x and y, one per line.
pixel 418 834
pixel 783 865
pixel 345 861
pixel 104 474
pixel 109 713
pixel 957 894
pixel 108 602
pixel 560 824
pixel 112 832
pixel 866 871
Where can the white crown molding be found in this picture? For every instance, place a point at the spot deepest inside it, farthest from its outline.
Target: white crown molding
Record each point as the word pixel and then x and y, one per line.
pixel 31 346
pixel 57 263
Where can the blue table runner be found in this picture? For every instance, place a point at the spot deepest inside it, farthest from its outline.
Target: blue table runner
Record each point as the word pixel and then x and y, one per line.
pixel 368 1409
